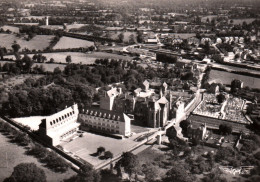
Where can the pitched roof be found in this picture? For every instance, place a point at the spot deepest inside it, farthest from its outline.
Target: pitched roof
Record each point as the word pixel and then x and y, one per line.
pixel 112 92
pixel 163 100
pixel 146 83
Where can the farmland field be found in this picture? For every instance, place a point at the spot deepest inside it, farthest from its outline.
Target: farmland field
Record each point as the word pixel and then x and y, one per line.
pixel 39 42
pixel 72 26
pixel 114 35
pixel 11 28
pixel 12 155
pixel 210 17
pixel 68 42
pixel 78 57
pixel 240 21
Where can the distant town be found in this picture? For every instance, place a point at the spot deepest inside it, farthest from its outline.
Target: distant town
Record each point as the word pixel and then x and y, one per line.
pixel 144 91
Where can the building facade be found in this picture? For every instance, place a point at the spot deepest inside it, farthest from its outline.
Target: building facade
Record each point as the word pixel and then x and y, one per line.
pixel 150 105
pixel 59 126
pixel 197 131
pixel 105 121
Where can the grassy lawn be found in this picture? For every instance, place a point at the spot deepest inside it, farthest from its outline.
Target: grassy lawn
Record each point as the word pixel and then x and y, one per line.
pixel 78 57
pixel 39 42
pixel 11 155
pixel 68 42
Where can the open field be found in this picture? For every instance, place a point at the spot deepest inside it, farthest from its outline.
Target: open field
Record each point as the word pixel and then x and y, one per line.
pixel 75 25
pixel 39 42
pixel 226 78
pixel 240 21
pixel 11 28
pixel 35 17
pixel 47 67
pixel 210 17
pixel 78 57
pixel 50 67
pixel 114 35
pixel 68 42
pixel 12 155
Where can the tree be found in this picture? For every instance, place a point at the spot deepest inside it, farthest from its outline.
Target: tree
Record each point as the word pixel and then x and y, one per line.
pixel 131 39
pixel 3 52
pixel 16 47
pixel 86 174
pixel 68 59
pixel 25 63
pixel 108 155
pixel 130 163
pixel 221 98
pixel 177 174
pixel 100 150
pixel 150 172
pixel 224 154
pixel 121 37
pixel 22 138
pixel 27 172
pixel 237 56
pixel 184 125
pixel 236 85
pixel 57 70
pixel 217 58
pixel 51 60
pixel 171 133
pixel 214 176
pixel 225 129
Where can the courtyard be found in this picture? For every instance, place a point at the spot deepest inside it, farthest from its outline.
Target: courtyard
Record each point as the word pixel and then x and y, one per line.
pixel 85 147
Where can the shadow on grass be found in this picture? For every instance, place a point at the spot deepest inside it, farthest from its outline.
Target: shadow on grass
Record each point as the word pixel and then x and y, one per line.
pixel 102 158
pixel 165 149
pixel 94 154
pixel 108 177
pixel 14 141
pixel 11 137
pixel 5 133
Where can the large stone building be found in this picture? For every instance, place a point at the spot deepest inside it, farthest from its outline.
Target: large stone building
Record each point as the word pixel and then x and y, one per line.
pixel 59 126
pixel 150 106
pixel 105 121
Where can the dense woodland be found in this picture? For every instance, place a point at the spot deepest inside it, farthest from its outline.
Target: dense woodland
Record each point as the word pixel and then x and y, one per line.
pixel 76 83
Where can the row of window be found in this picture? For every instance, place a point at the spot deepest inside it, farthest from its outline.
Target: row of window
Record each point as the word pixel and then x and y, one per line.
pixel 65 116
pixel 100 124
pixel 104 129
pixel 97 118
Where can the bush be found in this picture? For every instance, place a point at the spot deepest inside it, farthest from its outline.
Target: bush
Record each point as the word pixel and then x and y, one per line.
pixel 27 172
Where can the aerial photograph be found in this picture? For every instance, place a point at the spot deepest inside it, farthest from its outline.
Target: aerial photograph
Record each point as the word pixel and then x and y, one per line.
pixel 129 90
